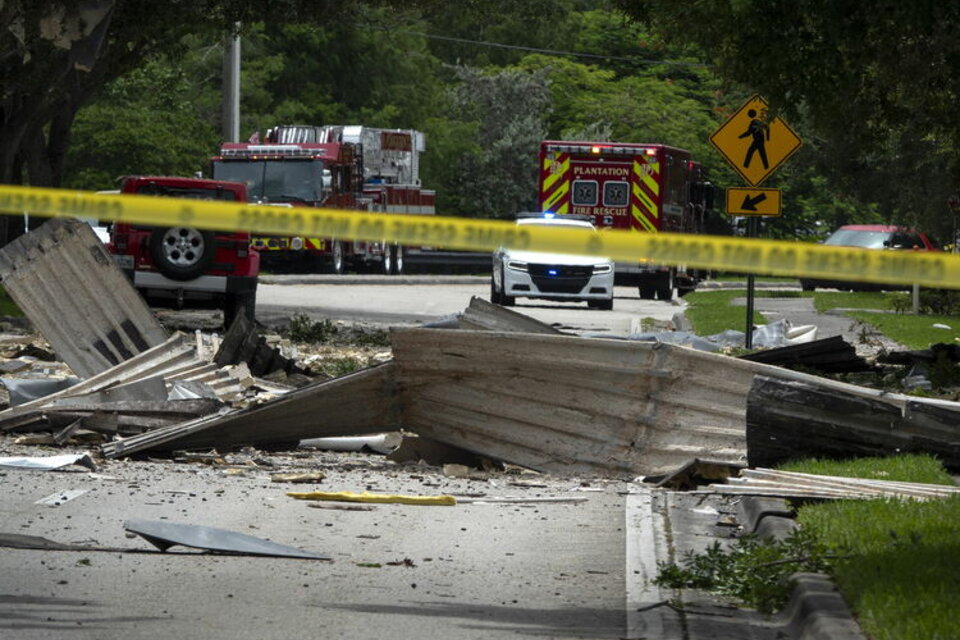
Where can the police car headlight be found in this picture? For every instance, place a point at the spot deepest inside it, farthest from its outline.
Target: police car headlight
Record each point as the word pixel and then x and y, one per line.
pixel 296 244
pixel 517 265
pixel 602 268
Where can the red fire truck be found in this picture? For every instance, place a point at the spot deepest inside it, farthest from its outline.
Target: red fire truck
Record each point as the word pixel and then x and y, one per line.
pixel 347 167
pixel 648 188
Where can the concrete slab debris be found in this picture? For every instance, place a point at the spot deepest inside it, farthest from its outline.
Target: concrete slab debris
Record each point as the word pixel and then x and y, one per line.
pixel 164 535
pixel 62 271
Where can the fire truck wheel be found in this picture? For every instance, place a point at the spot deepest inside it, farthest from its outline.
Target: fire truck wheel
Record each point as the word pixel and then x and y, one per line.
pixel 336 258
pixel 396 260
pixel 647 293
pixel 665 287
pixel 387 259
pixel 182 253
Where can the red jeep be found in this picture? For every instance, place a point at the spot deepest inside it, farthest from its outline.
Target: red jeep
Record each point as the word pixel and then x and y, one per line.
pixel 188 266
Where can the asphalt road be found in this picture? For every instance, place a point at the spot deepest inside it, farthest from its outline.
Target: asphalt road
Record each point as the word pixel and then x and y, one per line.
pixel 414 300
pixel 532 569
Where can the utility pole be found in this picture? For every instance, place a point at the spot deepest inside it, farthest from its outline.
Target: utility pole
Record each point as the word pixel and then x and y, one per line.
pixel 231 87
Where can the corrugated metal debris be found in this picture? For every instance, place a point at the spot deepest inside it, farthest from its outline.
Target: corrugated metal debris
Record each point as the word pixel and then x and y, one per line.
pixel 360 403
pixel 829 355
pixel 481 315
pixel 789 484
pixel 572 405
pixel 788 419
pixel 134 395
pixel 64 280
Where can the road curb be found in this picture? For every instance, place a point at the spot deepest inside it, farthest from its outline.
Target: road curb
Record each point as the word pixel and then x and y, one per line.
pixel 816 610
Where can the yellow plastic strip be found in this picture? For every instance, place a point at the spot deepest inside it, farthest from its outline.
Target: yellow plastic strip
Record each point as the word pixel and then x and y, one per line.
pixel 775 257
pixel 375 498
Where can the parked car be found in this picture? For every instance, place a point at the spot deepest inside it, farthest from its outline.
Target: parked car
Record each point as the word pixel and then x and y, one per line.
pixel 552 276
pixel 872 236
pixel 186 266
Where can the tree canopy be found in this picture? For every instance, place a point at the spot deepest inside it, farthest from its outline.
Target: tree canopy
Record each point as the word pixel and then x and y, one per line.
pixel 874 82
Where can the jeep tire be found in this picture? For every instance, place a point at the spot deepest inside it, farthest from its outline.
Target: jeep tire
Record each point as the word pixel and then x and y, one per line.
pixel 182 253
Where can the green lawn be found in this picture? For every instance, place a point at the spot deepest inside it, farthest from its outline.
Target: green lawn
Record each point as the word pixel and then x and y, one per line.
pixel 915 332
pixel 710 312
pixel 898 562
pixel 826 300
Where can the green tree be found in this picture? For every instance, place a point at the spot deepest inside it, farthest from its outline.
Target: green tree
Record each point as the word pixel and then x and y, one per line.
pixel 506 111
pixel 877 80
pixel 144 123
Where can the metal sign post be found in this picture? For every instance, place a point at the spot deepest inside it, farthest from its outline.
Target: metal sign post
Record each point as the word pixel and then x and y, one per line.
pixel 748 339
pixel 755 145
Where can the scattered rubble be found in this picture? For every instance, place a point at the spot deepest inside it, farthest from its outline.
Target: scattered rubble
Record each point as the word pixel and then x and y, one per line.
pixel 486 387
pixel 788 484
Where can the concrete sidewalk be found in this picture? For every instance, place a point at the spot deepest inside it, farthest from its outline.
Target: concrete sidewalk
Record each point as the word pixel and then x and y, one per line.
pixel 801 311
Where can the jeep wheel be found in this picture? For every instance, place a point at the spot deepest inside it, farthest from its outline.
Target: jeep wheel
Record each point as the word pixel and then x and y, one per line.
pixel 182 253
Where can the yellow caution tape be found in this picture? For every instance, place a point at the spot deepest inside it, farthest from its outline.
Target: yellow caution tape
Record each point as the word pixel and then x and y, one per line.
pixel 721 253
pixel 377 498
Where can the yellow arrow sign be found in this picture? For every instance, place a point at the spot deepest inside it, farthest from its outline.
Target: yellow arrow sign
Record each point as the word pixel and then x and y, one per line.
pixel 752 143
pixel 742 201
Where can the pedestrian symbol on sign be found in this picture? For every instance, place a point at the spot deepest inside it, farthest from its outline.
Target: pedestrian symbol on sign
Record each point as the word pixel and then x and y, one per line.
pixel 754 144
pixel 760 132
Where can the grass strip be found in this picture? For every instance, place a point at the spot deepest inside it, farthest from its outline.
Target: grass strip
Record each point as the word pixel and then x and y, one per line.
pixel 915 332
pixel 824 301
pixel 898 562
pixel 710 312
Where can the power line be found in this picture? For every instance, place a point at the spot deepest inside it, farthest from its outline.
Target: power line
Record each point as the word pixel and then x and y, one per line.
pixel 484 43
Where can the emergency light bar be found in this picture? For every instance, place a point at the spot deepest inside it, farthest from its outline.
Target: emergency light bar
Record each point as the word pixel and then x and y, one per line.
pixel 273 150
pixel 596 149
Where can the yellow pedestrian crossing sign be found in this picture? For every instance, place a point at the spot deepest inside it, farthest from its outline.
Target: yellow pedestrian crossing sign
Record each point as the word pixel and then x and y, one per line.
pixel 753 144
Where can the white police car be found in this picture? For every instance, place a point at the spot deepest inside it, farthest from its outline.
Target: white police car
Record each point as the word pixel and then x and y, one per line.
pixel 551 276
